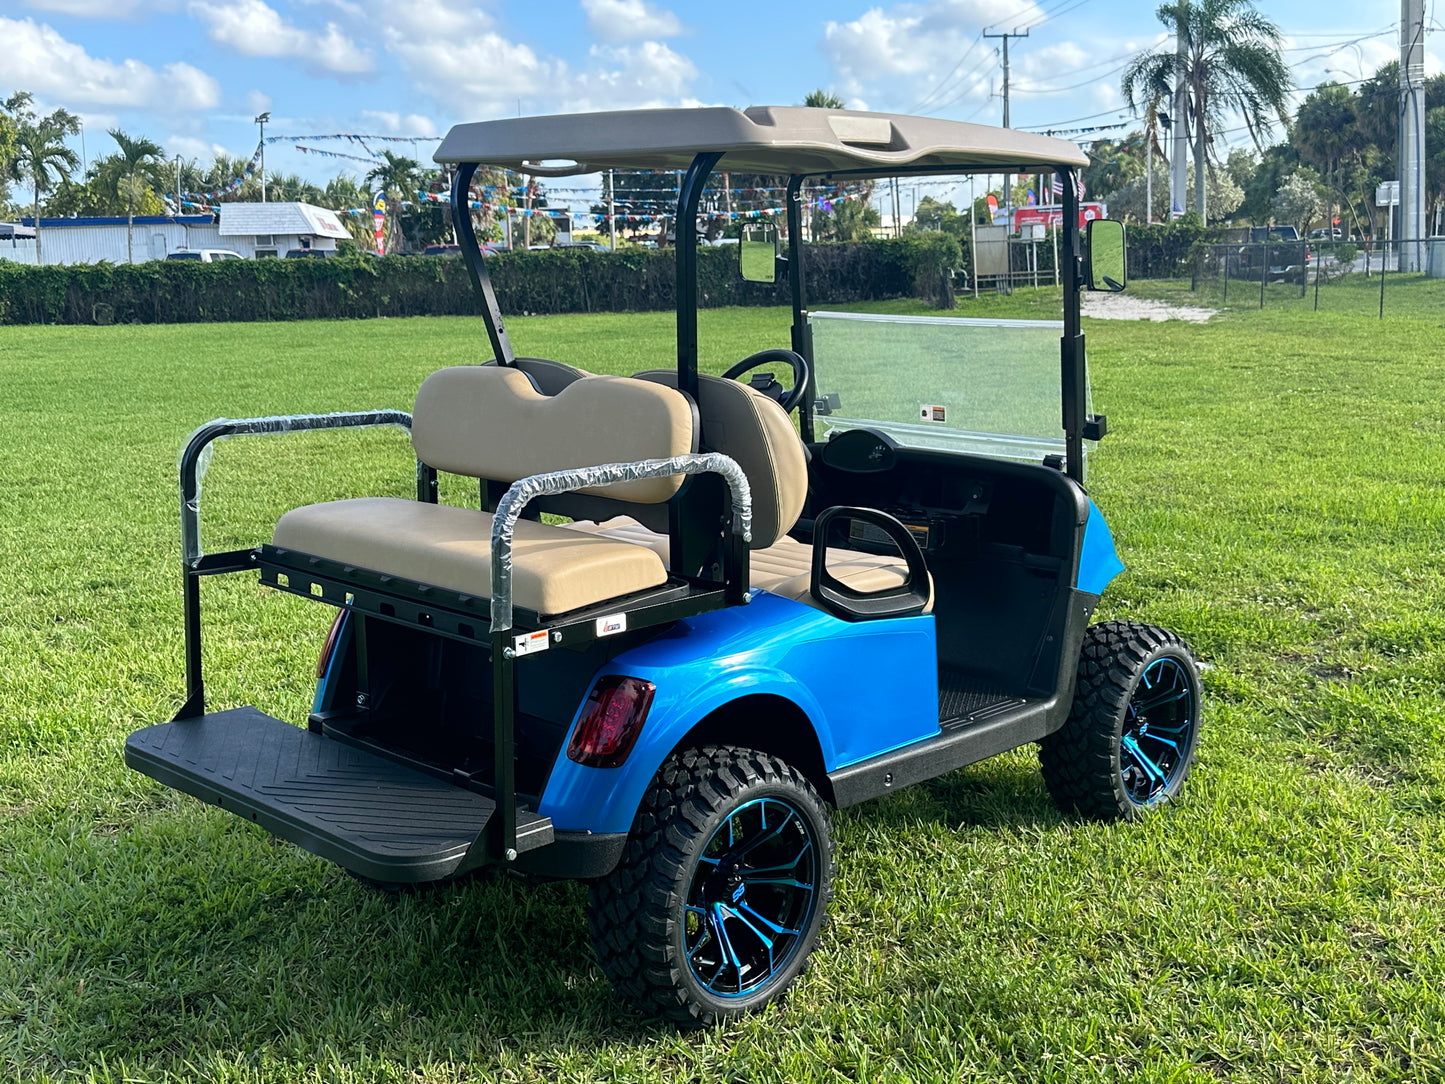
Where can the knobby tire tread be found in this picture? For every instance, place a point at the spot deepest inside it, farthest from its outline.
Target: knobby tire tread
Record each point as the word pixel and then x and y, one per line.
pixel 631 911
pixel 1080 760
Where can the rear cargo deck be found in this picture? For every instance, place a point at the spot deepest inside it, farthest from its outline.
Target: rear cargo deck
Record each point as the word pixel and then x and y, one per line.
pixel 375 817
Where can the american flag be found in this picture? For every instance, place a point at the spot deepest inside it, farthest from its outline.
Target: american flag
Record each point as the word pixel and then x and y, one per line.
pixel 1078 187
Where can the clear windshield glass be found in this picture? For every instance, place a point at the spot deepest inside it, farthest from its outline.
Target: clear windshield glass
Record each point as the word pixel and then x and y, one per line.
pixel 985 387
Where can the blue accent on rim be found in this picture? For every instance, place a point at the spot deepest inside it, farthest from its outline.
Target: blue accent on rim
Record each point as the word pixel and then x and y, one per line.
pixel 751 898
pixel 1158 732
pixel 1098 560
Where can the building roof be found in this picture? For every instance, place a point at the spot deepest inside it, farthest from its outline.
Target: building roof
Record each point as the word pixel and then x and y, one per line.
pixel 109 220
pixel 16 230
pixel 761 139
pixel 301 219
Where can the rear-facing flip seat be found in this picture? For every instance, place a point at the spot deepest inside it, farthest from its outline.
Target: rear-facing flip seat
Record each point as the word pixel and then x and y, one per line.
pixel 492 423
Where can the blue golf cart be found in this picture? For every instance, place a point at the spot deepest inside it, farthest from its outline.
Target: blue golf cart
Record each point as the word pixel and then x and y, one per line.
pixel 847 565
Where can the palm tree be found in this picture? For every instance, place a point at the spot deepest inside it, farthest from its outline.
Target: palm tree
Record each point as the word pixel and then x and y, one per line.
pixel 396 178
pixel 142 159
pixel 822 99
pixel 1229 63
pixel 42 156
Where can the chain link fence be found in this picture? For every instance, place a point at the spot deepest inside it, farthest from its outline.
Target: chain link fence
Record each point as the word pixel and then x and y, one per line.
pixel 1318 275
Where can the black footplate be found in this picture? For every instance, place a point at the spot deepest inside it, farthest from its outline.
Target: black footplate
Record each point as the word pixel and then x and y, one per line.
pixel 374 817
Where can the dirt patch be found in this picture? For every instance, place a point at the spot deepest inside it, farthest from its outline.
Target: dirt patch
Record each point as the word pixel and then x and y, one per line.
pixel 1102 306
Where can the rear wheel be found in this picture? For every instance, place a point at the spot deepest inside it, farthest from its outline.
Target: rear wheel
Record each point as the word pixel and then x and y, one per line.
pixel 1132 733
pixel 721 893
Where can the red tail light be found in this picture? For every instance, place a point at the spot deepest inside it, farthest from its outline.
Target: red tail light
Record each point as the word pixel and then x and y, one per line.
pixel 611 720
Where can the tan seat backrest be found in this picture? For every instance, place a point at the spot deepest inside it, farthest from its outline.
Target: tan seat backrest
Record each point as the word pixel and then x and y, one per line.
pixel 490 421
pixel 751 428
pixel 549 376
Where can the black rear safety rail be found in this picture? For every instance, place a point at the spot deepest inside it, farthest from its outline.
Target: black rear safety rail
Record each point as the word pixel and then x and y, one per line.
pixel 196 563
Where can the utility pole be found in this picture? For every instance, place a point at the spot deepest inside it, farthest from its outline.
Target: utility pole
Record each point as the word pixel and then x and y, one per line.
pixel 1412 133
pixel 261 120
pixel 1007 184
pixel 612 209
pixel 1179 174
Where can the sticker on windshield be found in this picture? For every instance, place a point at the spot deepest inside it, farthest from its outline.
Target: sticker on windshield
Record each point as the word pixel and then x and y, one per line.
pixel 930 413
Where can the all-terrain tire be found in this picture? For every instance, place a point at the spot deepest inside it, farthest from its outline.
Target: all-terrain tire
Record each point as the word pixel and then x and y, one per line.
pixel 1089 765
pixel 639 914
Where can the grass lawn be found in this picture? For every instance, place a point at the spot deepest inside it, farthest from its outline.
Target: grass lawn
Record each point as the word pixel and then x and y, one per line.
pixel 1276 483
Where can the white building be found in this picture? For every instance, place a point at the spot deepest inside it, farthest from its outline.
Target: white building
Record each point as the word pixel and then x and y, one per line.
pixel 250 229
pixel 274 229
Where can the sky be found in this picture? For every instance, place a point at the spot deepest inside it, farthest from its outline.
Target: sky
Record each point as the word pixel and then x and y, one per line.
pixel 192 74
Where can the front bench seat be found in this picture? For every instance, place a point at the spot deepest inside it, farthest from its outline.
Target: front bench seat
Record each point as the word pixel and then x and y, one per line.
pixel 742 423
pixel 492 423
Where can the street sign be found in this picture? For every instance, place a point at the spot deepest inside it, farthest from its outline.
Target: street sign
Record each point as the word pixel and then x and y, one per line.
pixel 1387 194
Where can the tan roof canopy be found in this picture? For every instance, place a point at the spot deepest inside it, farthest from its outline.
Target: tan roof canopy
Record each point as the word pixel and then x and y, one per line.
pixel 762 139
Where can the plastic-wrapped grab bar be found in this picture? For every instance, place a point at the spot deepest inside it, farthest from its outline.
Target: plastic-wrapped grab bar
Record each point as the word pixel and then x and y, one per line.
pixel 196 456
pixel 509 508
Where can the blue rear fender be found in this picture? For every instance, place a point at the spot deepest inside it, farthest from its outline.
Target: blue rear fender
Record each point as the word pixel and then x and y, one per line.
pixel 863 687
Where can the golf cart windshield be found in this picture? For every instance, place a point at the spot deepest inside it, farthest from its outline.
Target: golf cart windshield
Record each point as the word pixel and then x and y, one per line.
pixel 985 387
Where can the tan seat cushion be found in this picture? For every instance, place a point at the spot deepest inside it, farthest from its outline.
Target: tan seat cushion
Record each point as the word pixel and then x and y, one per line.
pixel 745 424
pixel 784 568
pixel 489 421
pixel 554 570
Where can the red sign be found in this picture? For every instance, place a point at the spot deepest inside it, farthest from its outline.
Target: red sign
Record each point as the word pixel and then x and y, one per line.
pixel 1054 216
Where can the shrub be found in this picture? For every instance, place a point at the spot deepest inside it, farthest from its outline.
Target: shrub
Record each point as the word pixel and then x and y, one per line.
pixel 358 287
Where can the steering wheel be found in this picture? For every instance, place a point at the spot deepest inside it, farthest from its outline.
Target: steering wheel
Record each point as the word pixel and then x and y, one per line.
pixel 788 398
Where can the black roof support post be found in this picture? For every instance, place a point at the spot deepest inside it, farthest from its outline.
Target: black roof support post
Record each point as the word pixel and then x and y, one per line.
pixel 802 332
pixel 1071 347
pixel 695 516
pixel 476 265
pixel 689 197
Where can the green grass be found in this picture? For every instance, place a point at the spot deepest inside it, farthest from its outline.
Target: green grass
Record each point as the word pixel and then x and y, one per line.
pixel 1274 481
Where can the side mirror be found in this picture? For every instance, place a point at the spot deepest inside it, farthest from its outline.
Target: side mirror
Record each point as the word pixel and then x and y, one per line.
pixel 1106 255
pixel 758 254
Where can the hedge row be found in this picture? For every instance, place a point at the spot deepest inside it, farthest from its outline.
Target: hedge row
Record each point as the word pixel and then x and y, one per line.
pixel 576 280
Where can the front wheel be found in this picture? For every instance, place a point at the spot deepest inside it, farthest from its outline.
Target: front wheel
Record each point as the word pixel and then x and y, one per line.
pixel 722 890
pixel 1132 733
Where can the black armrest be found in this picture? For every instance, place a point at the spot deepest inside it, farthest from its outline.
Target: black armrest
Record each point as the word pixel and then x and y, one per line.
pixel 843 601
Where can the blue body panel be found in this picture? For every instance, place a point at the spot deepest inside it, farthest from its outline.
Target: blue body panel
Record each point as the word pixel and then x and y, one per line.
pixel 866 686
pixel 1098 561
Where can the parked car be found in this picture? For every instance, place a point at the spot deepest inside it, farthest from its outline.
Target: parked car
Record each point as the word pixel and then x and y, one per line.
pixel 310 253
pixel 205 255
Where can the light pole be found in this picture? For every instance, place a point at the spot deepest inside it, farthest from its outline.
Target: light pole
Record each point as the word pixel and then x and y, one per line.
pixel 261 120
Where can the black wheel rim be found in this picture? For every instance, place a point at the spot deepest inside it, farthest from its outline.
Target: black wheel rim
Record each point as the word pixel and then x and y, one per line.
pixel 1158 731
pixel 752 897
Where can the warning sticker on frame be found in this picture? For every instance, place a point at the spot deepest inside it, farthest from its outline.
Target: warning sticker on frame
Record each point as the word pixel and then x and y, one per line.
pixel 612 624
pixel 530 643
pixel 931 413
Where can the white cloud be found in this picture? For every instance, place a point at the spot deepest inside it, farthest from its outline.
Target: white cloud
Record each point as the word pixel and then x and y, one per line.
pixel 257 102
pixel 203 151
pixel 37 58
pixel 387 123
pixel 453 51
pixel 906 52
pixel 630 20
pixel 253 28
pixel 646 74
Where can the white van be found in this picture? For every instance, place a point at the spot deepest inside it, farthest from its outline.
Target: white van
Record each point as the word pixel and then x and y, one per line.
pixel 205 255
